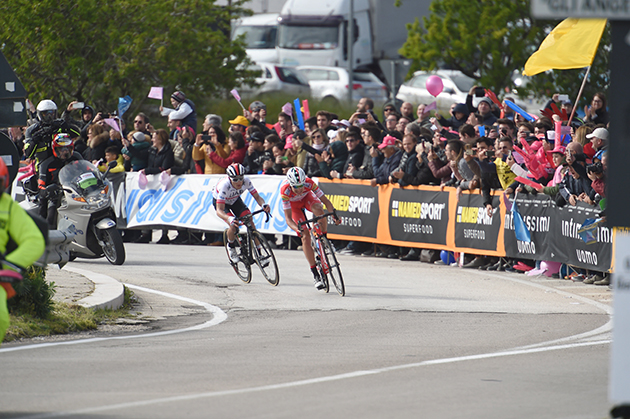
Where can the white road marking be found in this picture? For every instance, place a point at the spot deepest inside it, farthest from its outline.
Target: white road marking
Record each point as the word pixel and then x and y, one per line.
pixel 271 387
pixel 218 316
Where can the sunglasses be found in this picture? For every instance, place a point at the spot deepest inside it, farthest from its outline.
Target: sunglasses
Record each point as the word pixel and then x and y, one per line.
pixel 351 140
pixel 389 110
pixel 237 178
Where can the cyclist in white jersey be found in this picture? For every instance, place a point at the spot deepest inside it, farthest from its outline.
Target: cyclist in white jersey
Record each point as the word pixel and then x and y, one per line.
pixel 229 205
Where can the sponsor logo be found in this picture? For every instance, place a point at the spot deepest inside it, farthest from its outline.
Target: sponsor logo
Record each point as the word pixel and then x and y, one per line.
pixel 419 210
pixel 360 204
pixel 473 215
pixel 587 257
pixel 570 229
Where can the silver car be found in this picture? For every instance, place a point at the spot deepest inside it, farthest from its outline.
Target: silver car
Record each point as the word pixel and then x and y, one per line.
pixel 456 88
pixel 331 84
pixel 277 78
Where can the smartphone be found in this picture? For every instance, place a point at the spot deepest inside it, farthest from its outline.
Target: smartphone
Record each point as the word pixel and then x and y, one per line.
pixel 362 116
pixel 489 154
pixel 563 98
pixel 206 138
pixel 480 92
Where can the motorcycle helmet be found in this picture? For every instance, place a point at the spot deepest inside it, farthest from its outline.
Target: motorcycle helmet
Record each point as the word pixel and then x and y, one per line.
pixel 62 146
pixel 235 171
pixel 296 177
pixel 4 176
pixel 47 111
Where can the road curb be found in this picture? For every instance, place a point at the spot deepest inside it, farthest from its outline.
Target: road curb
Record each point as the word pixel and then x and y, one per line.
pixel 108 292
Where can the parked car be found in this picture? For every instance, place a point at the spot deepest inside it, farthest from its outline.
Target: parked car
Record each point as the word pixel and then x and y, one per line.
pixel 276 78
pixel 331 84
pixel 456 88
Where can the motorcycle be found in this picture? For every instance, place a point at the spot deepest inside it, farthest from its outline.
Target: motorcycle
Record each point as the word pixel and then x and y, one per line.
pixel 85 212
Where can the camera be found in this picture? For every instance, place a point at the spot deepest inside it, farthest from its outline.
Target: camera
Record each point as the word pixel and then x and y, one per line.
pixel 480 92
pixel 596 168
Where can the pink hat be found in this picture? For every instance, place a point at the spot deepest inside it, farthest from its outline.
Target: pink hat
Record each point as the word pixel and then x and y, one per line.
pixel 387 141
pixel 558 149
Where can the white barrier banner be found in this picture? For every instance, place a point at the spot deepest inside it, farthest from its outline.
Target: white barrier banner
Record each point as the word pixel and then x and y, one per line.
pixel 187 202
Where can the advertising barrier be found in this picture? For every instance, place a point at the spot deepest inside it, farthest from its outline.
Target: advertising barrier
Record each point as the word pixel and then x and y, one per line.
pixel 421 216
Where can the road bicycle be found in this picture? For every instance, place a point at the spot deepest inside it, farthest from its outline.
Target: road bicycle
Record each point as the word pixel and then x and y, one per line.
pixel 252 247
pixel 325 258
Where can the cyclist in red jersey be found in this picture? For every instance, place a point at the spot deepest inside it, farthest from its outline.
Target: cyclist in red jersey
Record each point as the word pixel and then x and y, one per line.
pixel 298 192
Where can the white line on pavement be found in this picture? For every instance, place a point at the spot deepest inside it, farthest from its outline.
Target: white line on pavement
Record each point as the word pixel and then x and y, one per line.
pixel 271 387
pixel 218 316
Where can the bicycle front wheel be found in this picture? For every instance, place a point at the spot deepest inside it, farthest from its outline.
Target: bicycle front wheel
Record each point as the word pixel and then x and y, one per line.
pixel 320 261
pixel 334 271
pixel 241 267
pixel 265 259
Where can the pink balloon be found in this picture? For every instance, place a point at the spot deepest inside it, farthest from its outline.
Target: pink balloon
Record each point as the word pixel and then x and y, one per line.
pixel 435 85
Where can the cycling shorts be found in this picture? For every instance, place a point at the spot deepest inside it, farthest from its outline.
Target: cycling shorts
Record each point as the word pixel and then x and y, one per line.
pixel 237 209
pixel 307 203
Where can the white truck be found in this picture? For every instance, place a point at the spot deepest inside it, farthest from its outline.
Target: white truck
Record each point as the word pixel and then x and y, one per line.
pixel 260 36
pixel 316 32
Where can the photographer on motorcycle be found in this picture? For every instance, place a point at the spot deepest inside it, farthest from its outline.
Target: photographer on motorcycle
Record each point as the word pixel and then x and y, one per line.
pixel 48 183
pixel 38 137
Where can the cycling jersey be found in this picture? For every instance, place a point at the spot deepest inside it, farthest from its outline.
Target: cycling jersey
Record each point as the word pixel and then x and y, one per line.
pixel 225 193
pixel 288 195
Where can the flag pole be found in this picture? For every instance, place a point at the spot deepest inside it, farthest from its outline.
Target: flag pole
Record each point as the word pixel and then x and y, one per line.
pixel 588 69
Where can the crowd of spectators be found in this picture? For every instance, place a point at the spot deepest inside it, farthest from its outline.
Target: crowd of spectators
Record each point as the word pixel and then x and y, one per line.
pixel 483 147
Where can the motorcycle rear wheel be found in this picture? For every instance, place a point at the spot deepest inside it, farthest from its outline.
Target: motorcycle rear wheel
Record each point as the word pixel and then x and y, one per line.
pixel 113 248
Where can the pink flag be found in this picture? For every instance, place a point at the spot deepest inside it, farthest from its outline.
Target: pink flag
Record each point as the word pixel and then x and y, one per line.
pixel 288 108
pixel 431 106
pixel 112 123
pixel 156 93
pixel 307 113
pixel 530 182
pixel 235 94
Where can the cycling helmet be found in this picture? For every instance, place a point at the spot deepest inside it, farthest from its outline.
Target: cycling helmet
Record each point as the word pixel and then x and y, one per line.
pixel 296 177
pixel 47 111
pixel 4 176
pixel 235 171
pixel 62 146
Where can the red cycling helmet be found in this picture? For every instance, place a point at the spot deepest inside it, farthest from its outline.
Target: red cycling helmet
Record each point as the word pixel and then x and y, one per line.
pixel 62 146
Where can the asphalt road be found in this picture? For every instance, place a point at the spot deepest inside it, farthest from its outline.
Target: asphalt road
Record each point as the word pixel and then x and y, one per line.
pixel 408 340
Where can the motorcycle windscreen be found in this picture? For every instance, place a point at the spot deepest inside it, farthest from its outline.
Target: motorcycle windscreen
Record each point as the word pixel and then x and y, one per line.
pixel 83 176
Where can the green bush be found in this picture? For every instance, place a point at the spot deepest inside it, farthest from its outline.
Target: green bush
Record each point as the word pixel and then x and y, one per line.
pixel 33 294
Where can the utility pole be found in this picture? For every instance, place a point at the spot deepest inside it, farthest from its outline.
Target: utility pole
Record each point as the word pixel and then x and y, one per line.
pixel 350 48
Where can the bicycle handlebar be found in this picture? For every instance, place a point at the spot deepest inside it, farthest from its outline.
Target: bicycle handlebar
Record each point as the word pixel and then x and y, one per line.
pixel 250 215
pixel 314 219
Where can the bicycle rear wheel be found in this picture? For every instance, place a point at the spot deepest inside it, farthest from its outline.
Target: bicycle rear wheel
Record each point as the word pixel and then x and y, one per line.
pixel 265 259
pixel 242 267
pixel 334 271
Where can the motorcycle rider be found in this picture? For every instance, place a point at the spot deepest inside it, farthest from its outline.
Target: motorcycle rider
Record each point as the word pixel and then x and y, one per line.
pixel 62 153
pixel 38 137
pixel 16 226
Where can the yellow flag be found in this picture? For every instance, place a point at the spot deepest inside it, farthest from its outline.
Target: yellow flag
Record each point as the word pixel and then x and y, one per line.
pixel 571 44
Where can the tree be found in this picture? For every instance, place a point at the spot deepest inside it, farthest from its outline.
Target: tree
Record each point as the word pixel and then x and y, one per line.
pixel 97 51
pixel 490 40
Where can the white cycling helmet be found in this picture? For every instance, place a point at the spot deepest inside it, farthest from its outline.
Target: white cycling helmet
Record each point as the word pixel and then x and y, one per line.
pixel 296 177
pixel 47 110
